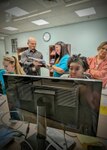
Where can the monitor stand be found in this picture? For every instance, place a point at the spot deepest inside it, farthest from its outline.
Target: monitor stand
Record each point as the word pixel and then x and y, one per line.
pixel 54 141
pixel 47 138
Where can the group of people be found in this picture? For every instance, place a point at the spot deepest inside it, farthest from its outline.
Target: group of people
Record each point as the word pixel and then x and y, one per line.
pixel 81 67
pixel 76 66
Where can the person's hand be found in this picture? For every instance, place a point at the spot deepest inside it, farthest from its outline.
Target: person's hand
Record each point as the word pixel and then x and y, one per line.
pixel 87 74
pixel 36 64
pixel 49 66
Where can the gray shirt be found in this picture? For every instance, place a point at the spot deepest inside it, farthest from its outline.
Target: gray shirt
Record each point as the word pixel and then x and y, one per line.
pixel 29 68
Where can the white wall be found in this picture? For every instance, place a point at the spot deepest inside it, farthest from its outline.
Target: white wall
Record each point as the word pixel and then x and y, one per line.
pixel 2 52
pixel 84 38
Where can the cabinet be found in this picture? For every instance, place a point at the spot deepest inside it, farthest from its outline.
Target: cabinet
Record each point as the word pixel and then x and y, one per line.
pixel 19 52
pixel 52 55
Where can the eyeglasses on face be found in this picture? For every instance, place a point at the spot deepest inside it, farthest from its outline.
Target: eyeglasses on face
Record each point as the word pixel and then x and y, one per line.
pixel 103 48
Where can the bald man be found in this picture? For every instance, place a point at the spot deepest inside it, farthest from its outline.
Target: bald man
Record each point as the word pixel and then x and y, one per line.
pixel 31 67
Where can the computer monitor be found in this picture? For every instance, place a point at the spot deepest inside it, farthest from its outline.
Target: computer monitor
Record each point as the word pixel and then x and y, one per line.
pixel 72 102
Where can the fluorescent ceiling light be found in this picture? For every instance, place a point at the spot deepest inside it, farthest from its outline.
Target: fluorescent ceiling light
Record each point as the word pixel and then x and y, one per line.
pixel 33 15
pixel 10 28
pixel 76 3
pixel 40 22
pixel 86 12
pixel 16 11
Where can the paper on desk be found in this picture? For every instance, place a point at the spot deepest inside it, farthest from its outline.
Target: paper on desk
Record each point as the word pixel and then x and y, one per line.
pixel 103 110
pixel 87 139
pixel 104 91
pixel 103 105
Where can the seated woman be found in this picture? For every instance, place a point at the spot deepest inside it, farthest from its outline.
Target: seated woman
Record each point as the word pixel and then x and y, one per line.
pixel 98 64
pixel 12 66
pixel 2 86
pixel 77 66
pixel 62 56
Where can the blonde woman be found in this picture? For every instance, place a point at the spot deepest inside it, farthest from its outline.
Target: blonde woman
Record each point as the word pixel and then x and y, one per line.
pixel 12 66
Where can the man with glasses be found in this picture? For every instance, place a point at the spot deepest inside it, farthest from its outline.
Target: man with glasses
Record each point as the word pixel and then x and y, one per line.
pixel 31 67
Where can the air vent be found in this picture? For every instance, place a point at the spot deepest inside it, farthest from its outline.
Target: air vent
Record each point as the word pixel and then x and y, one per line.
pixel 74 1
pixel 51 3
pixel 70 1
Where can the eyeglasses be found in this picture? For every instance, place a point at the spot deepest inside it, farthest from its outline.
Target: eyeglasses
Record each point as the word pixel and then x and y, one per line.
pixel 104 49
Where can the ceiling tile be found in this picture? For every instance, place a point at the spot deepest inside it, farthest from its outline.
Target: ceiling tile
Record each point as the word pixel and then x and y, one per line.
pixel 16 11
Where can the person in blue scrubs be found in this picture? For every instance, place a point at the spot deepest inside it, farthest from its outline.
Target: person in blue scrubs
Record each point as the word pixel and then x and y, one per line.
pixel 62 55
pixel 2 71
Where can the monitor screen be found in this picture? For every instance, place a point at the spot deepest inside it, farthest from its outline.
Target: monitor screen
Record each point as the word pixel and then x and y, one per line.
pixel 72 102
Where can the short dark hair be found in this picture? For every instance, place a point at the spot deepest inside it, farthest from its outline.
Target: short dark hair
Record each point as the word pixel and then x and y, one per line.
pixel 77 58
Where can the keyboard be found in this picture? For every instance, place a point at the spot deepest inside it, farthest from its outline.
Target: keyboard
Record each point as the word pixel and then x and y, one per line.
pixel 56 138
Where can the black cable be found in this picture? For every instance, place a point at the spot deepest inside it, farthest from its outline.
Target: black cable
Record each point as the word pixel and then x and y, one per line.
pixel 1 119
pixel 65 139
pixel 27 130
pixel 27 144
pixel 74 136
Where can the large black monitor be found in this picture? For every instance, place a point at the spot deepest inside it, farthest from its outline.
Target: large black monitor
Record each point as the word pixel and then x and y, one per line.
pixel 72 102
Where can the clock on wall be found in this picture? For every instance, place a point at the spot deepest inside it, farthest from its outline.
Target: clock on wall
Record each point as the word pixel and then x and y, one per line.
pixel 46 36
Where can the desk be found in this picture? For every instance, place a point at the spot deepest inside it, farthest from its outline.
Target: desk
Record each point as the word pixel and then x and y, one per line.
pixel 102 125
pixel 76 137
pixel 16 145
pixel 3 107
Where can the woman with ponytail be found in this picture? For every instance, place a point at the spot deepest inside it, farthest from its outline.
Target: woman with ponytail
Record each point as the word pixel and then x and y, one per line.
pixel 12 66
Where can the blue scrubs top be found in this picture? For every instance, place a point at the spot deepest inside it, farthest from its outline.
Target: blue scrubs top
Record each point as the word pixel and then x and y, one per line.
pixel 62 64
pixel 2 71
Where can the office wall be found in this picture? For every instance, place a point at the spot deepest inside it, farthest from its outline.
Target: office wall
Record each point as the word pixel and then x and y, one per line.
pixel 84 38
pixel 2 52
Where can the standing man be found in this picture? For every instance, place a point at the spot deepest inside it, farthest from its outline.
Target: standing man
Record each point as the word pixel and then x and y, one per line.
pixel 31 67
